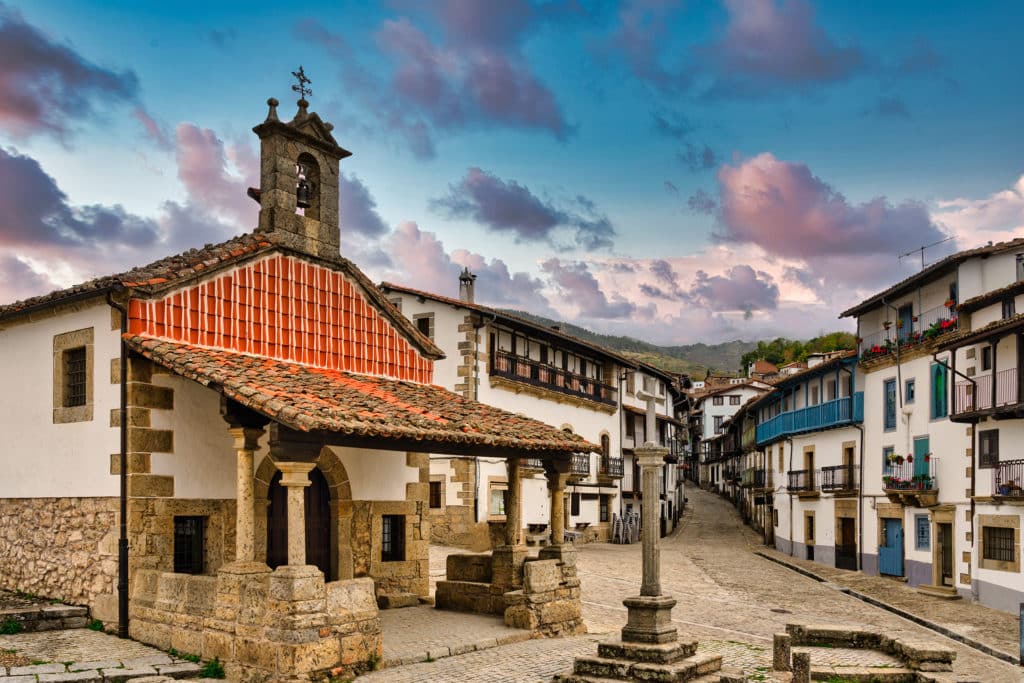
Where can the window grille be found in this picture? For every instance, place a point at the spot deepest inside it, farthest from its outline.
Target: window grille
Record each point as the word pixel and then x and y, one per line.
pixel 392 538
pixel 997 544
pixel 188 544
pixel 75 377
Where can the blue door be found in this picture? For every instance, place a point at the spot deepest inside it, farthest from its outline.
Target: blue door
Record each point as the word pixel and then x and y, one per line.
pixel 890 553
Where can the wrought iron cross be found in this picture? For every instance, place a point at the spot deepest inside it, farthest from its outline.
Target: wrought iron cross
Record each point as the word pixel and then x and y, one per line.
pixel 303 82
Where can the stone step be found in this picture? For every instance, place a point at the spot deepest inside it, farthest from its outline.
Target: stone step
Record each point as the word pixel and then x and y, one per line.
pixel 873 674
pixel 106 672
pixel 620 669
pixel 664 653
pixel 33 618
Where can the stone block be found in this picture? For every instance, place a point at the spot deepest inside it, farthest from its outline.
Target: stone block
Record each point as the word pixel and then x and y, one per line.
pixel 293 584
pixel 475 568
pixel 150 485
pixel 305 658
pixel 541 576
pixel 781 652
pixel 143 439
pixel 257 653
pixel 145 395
pixel 558 611
pixel 661 653
pixel 397 600
pixel 521 616
pixel 801 667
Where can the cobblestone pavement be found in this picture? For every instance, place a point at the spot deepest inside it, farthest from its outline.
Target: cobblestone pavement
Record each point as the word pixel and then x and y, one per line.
pixel 84 655
pixel 413 634
pixel 992 627
pixel 729 599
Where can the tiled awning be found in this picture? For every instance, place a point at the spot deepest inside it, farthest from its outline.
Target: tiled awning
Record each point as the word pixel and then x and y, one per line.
pixel 310 399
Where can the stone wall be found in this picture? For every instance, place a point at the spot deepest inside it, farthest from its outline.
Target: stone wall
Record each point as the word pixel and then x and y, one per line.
pixel 63 548
pixel 455 524
pixel 151 531
pixel 549 602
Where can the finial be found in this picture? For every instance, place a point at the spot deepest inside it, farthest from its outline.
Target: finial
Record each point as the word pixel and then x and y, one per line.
pixel 272 114
pixel 301 87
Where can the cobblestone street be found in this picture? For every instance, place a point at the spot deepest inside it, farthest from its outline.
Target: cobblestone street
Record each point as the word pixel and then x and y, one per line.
pixel 728 598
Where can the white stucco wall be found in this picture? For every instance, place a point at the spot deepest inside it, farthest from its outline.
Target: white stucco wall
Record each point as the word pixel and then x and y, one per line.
pixel 40 458
pixel 375 474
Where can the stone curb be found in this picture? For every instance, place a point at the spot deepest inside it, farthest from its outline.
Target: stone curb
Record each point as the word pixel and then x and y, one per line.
pixel 938 628
pixel 441 652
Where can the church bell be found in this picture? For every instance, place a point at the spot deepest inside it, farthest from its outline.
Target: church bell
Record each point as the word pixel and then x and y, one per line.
pixel 303 189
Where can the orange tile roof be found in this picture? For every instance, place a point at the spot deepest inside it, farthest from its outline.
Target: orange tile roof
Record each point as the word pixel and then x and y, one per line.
pixel 310 399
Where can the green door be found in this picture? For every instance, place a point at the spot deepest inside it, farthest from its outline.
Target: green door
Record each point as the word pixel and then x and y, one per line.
pixel 920 451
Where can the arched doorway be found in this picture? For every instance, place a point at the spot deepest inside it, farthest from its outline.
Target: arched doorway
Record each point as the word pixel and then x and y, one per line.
pixel 318 523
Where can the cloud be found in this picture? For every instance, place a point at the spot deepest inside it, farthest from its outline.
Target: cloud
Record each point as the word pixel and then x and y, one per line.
pixel 701 202
pixel 641 31
pixel 579 286
pixel 922 58
pixel 671 188
pixel 19 280
pixel 696 158
pixel 475 77
pixel 889 108
pixel 211 181
pixel 673 125
pixel 667 283
pixel 45 87
pixel 358 209
pixel 740 289
pixel 772 44
pixel 154 130
pixel 508 207
pixel 995 218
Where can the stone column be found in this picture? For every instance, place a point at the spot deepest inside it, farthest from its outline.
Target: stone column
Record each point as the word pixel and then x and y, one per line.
pixel 557 473
pixel 295 476
pixel 245 439
pixel 513 505
pixel 651 460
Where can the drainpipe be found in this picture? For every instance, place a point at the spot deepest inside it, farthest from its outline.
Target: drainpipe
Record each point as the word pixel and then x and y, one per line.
pixel 789 494
pixel 122 541
pixel 974 457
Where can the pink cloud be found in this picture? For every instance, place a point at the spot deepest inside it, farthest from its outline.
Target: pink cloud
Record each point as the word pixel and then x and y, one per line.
pixel 204 170
pixel 154 130
pixel 583 292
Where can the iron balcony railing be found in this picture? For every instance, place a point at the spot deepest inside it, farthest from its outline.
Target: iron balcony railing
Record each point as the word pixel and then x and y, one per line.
pixel 1008 478
pixel 846 410
pixel 838 478
pixel 918 475
pixel 505 364
pixel 969 399
pixel 612 467
pixel 929 324
pixel 803 480
pixel 531 464
pixel 580 464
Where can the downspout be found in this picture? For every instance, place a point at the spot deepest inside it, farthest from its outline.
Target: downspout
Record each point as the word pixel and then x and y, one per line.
pixel 789 494
pixel 122 541
pixel 974 454
pixel 860 468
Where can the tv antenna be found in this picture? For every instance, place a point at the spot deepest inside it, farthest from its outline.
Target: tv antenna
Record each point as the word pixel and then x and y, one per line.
pixel 920 250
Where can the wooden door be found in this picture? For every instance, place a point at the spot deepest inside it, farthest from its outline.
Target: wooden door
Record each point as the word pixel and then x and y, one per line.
pixel 277 523
pixel 846 548
pixel 318 518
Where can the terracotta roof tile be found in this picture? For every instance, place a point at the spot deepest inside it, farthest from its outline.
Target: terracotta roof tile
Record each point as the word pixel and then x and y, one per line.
pixel 313 399
pixel 963 337
pixel 982 300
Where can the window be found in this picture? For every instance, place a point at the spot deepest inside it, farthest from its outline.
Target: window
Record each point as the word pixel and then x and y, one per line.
pixel 775 517
pixel 392 538
pixel 814 396
pixel 997 544
pixel 630 382
pixel 496 499
pixel 717 400
pixel 886 452
pixel 72 376
pixel 909 391
pixel 574 505
pixel 986 357
pixel 188 544
pixel 718 423
pixel 988 448
pixel 953 291
pixel 781 454
pixel 940 377
pixel 830 390
pixel 1009 309
pixel 890 404
pixel 922 532
pixel 809 537
pixel 734 400
pixel 630 426
pixel 1020 267
pixel 603 511
pixel 425 325
pixel 435 494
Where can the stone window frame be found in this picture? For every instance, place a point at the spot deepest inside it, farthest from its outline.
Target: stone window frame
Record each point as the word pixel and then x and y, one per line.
pixel 191 560
pixel 442 480
pixel 1004 522
pixel 496 484
pixel 396 531
pixel 810 524
pixel 63 342
pixel 430 325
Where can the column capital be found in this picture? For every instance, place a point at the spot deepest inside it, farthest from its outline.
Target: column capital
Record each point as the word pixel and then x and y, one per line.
pixel 246 438
pixel 295 473
pixel 650 455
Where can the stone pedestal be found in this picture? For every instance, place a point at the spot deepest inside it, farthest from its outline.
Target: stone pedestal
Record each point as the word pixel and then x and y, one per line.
pixel 649 620
pixel 507 568
pixel 295 477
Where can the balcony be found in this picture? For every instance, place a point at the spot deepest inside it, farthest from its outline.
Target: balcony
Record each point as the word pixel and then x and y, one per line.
pixel 535 373
pixel 804 483
pixel 580 466
pixel 839 478
pixel 611 467
pixel 1007 478
pixel 980 399
pixel 747 480
pixel 912 483
pixel 929 325
pixel 531 464
pixel 841 411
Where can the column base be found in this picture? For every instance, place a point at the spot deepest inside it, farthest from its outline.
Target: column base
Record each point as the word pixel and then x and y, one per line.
pixel 649 620
pixel 565 553
pixel 244 568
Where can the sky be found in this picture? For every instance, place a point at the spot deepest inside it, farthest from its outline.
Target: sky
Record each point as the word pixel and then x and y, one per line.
pixel 679 172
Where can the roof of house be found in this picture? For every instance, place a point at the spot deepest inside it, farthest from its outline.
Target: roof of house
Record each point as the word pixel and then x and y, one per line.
pixel 178 269
pixel 311 399
pixel 700 394
pixel 824 366
pixel 982 300
pixel 764 367
pixel 498 314
pixel 935 269
pixel 660 416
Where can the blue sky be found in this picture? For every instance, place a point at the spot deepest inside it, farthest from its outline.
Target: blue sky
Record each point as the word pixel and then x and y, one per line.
pixel 679 171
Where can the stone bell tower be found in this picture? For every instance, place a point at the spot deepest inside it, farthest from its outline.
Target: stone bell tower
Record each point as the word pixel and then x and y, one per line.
pixel 298 192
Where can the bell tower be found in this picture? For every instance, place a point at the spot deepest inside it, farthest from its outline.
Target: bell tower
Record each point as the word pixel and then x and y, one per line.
pixel 298 192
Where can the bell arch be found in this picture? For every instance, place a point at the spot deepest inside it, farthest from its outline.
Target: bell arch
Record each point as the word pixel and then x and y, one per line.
pixel 307 171
pixel 329 465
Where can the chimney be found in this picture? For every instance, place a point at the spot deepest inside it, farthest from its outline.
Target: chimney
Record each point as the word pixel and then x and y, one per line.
pixel 466 280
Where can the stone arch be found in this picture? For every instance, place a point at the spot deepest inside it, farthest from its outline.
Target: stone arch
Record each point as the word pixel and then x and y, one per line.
pixel 308 165
pixel 340 489
pixel 605 439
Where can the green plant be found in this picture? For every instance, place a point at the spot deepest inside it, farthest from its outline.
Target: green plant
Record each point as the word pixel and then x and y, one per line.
pixel 95 625
pixel 184 655
pixel 429 659
pixel 373 661
pixel 9 627
pixel 212 669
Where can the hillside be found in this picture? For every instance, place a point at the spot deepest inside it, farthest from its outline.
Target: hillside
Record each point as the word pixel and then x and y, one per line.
pixel 693 359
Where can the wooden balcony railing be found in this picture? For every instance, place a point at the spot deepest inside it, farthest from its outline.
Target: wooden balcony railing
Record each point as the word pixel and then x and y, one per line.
pixel 838 478
pixel 539 374
pixel 970 399
pixel 911 476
